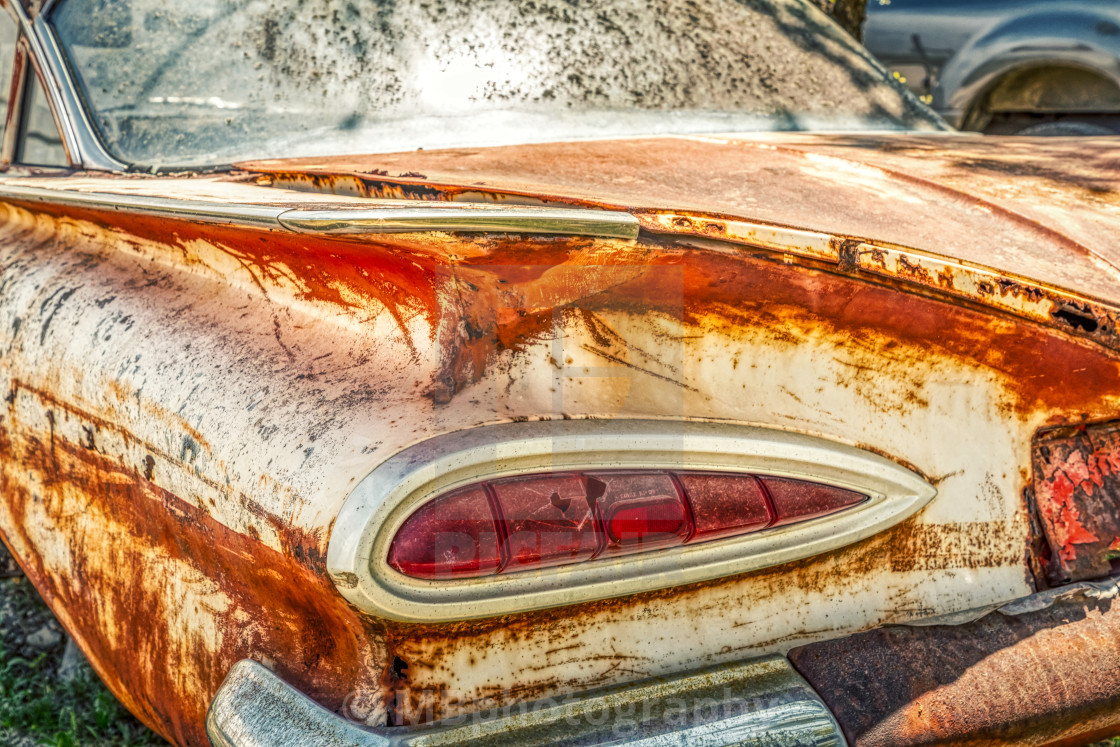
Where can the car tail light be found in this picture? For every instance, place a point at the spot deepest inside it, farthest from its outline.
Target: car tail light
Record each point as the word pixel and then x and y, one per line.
pixel 454 535
pixel 797 500
pixel 506 525
pixel 547 520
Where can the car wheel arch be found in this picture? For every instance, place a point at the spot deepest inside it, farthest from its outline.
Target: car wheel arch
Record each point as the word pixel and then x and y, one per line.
pixel 1077 43
pixel 1054 87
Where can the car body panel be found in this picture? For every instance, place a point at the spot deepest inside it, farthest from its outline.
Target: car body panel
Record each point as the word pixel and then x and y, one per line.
pixel 170 461
pixel 950 195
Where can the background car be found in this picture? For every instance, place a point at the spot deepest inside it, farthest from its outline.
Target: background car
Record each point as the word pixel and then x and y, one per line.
pixel 1037 67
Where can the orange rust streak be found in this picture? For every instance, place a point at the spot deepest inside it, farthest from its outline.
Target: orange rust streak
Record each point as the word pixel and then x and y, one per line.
pixel 403 279
pixel 104 423
pixel 910 546
pixel 277 611
pixel 731 293
pixel 317 642
pixel 307 547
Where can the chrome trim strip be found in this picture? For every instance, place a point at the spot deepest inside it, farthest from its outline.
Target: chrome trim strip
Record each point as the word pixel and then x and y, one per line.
pixel 198 211
pixel 51 89
pixel 388 216
pixel 378 506
pixel 756 702
pixel 461 218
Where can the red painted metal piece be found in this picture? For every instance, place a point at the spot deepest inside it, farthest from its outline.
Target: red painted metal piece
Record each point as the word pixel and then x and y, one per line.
pixel 1077 492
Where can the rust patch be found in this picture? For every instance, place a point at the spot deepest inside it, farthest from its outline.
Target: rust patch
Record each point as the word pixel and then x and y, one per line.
pixel 487 297
pixel 1077 489
pixel 954 207
pixel 913 271
pixel 319 269
pixel 847 250
pixel 432 651
pixel 165 599
pixel 1039 678
pixel 308 548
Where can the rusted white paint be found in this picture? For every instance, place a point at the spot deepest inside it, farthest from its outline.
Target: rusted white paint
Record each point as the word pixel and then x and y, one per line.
pixel 235 385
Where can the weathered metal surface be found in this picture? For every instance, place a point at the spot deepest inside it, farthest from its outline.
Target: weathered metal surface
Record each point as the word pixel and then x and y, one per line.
pixel 196 401
pixel 1022 296
pixel 1077 492
pixel 1032 674
pixel 1010 204
pixel 757 703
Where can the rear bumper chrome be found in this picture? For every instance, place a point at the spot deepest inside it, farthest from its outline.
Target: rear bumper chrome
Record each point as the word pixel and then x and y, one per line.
pixel 757 702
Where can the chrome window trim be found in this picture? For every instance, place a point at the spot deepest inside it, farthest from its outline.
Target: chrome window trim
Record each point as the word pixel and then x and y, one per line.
pixel 50 85
pixel 13 117
pixel 79 136
pixel 370 217
pixel 377 507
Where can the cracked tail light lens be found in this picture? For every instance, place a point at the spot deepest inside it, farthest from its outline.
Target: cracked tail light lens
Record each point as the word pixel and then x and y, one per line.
pixel 537 521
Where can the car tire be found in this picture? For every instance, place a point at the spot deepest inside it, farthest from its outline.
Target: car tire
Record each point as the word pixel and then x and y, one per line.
pixel 1066 128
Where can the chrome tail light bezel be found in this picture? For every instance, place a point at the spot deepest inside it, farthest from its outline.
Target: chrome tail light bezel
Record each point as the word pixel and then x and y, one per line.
pixel 357 557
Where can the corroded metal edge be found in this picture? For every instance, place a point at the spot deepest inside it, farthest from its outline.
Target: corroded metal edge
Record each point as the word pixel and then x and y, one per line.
pixel 756 702
pixel 387 217
pixel 1020 295
pixel 1027 298
pixel 1041 670
pixel 379 505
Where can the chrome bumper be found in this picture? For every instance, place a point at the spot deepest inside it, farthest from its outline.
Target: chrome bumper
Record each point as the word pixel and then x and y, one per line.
pixel 761 702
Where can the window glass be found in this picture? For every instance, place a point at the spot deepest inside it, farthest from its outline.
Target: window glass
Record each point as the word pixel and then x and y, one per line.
pixel 8 35
pixel 39 141
pixel 215 81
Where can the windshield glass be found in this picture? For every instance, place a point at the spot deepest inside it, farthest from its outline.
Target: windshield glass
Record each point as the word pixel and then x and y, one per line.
pixel 211 81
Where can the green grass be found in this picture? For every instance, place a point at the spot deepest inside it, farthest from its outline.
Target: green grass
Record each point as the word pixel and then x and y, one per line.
pixel 37 707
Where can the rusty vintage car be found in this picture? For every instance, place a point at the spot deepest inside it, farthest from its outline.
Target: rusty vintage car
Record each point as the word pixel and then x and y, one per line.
pixel 661 373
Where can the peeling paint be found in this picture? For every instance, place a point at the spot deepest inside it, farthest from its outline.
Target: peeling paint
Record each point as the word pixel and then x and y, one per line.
pixel 216 462
pixel 1077 489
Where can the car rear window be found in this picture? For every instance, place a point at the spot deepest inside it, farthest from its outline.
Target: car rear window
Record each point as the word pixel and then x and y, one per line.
pixel 211 81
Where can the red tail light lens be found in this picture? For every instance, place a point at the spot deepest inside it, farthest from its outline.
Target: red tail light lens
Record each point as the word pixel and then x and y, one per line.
pixel 548 520
pixel 536 521
pixel 726 505
pixel 641 511
pixel 453 536
pixel 797 500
